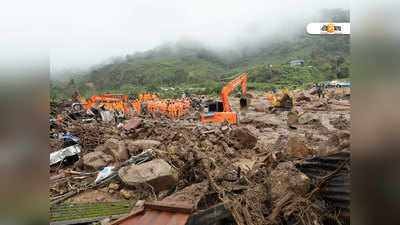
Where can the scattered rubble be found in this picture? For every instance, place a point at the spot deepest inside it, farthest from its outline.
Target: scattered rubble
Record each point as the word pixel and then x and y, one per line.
pixel 297 149
pixel 245 165
pixel 113 186
pixel 302 97
pixel 245 138
pixel 97 160
pixel 134 147
pixel 260 108
pixel 117 149
pixel 308 118
pixel 342 122
pixel 133 123
pixel 286 179
pixel 60 155
pixel 126 193
pixel 292 119
pixel 250 168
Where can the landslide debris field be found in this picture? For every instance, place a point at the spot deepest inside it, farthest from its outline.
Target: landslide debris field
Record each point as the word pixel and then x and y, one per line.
pixel 276 166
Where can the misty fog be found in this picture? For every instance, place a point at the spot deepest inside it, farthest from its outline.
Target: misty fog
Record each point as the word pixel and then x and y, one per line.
pixel 81 34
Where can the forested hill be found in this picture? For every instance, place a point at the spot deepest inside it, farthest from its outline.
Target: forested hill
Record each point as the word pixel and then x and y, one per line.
pixel 189 64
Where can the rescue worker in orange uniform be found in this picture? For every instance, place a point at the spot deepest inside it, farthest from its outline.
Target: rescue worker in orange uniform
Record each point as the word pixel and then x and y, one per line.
pixel 140 97
pixel 174 110
pixel 133 105
pixel 187 106
pixel 156 107
pixel 149 106
pixel 177 115
pixel 146 97
pixel 108 105
pixel 115 106
pixel 137 107
pixel 120 107
pixel 180 109
pixel 165 107
pixel 162 107
pixel 170 110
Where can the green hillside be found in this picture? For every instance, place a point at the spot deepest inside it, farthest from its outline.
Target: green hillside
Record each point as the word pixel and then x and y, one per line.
pixel 190 65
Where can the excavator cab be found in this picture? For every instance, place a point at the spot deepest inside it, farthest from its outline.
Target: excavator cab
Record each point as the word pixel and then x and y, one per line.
pixel 215 107
pixel 217 117
pixel 286 101
pixel 216 114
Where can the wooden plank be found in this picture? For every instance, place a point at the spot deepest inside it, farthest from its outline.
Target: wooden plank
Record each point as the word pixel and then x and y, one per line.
pixel 180 207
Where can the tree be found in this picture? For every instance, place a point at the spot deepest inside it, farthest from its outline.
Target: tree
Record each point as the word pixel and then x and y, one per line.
pixel 330 76
pixel 314 53
pixel 179 76
pixel 340 60
pixel 343 73
pixel 71 83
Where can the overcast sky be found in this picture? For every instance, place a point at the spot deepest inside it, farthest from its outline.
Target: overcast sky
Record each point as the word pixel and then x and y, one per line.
pixel 81 33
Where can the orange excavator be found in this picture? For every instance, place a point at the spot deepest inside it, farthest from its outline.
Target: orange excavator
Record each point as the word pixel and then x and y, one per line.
pixel 117 101
pixel 221 111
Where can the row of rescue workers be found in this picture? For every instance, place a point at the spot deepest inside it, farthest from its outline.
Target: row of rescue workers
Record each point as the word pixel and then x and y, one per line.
pixel 146 103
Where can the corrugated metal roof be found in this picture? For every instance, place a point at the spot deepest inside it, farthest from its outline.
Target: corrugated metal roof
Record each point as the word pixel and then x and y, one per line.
pixel 155 217
pixel 336 190
pixel 158 213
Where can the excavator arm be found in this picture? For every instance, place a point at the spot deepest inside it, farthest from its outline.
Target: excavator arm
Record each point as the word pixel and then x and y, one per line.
pixel 228 88
pixel 106 98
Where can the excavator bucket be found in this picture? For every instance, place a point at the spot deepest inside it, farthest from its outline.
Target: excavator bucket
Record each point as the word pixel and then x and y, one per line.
pixel 243 103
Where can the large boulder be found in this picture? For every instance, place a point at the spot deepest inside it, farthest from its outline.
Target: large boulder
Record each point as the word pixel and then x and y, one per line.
pixel 132 123
pixel 263 120
pixel 260 108
pixel 117 149
pixel 96 160
pixel 302 97
pixel 307 118
pixel 292 119
pixel 335 143
pixel 99 148
pixel 245 138
pixel 296 149
pixel 134 147
pixel 157 173
pixel 313 91
pixel 111 143
pixel 285 179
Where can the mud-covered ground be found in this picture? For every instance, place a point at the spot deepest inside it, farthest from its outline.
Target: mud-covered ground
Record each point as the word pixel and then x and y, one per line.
pixel 250 166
